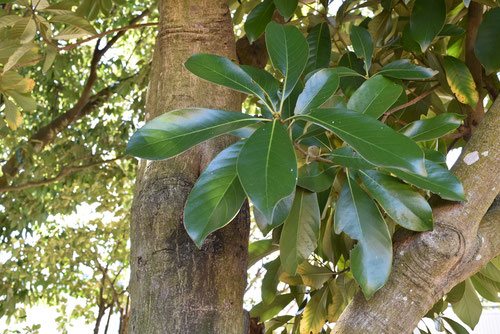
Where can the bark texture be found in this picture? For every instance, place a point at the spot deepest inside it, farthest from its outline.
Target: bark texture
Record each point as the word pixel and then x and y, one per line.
pixel 176 288
pixel 428 265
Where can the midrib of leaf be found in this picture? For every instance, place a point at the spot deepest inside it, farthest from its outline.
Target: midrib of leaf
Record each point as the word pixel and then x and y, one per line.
pixel 355 208
pixel 285 83
pixel 266 176
pixel 374 98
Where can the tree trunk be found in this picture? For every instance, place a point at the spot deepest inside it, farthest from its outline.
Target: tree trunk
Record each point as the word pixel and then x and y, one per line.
pixel 176 288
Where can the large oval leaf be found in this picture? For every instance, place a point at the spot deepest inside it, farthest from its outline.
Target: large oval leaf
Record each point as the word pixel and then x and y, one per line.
pixel 488 41
pixel 280 213
pixel 266 311
pixel 258 18
pixel 432 128
pixel 174 132
pixel 350 83
pixel 288 51
pixel 375 96
pixel 316 177
pixel 469 308
pixel 224 72
pixel 373 140
pixel 357 215
pixel 216 197
pixel 460 81
pixel 319 88
pixel 426 21
pixel 269 287
pixel 439 180
pixel 363 45
pixel 299 235
pixel 266 82
pixel 403 204
pixel 403 69
pixel 320 47
pixel 267 167
pixel 315 312
pixel 260 249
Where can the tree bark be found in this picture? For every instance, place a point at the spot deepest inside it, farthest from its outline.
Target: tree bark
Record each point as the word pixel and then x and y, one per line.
pixel 427 265
pixel 176 288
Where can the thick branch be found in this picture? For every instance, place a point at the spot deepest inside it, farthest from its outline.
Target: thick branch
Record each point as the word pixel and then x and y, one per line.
pixel 427 265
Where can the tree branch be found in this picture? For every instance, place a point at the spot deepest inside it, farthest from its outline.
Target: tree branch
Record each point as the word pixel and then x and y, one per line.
pixel 409 103
pixel 427 265
pixel 66 171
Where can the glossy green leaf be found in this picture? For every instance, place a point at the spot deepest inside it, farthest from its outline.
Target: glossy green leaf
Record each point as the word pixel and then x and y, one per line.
pixel 288 51
pixel 403 69
pixel 318 89
pixel 216 197
pixel 460 81
pixel 456 293
pixel 320 47
pixel 426 21
pixel 280 213
pixel 269 287
pixel 363 45
pixel 266 311
pixel 403 204
pixel 488 41
pixel 373 140
pixel 315 312
pixel 491 271
pixel 267 167
pixel 299 235
pixel 224 72
pixel 486 288
pixel 259 249
pixel 350 83
pixel 358 216
pixel 457 327
pixel 286 7
pixel 347 157
pixel 439 180
pixel 266 82
pixel 258 18
pixel 176 131
pixel 375 96
pixel 316 177
pixel 314 276
pixel 469 308
pixel 432 128
pixel 451 30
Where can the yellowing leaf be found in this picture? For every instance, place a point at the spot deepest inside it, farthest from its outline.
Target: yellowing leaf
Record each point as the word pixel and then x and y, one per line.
pixel 460 81
pixel 12 114
pixel 315 313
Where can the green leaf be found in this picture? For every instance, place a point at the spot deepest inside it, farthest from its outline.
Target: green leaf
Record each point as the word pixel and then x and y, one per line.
pixel 267 167
pixel 373 140
pixel 29 32
pixel 224 72
pixel 288 52
pixel 457 327
pixel 432 128
pixel 403 69
pixel 266 311
pixel 460 81
pixel 280 213
pixel 318 89
pixel 316 177
pixel 286 7
pixel 375 96
pixel 488 41
pixel 50 56
pixel 320 47
pixel 266 82
pixel 299 235
pixel 269 287
pixel 371 259
pixel 14 58
pixel 451 30
pixel 260 249
pixel 314 276
pixel 12 114
pixel 426 21
pixel 9 20
pixel 403 204
pixel 216 198
pixel 351 83
pixel 176 131
pixel 439 180
pixel 469 308
pixel 258 18
pixel 491 271
pixel 486 288
pixel 25 101
pixel 315 312
pixel 76 21
pixel 347 157
pixel 362 44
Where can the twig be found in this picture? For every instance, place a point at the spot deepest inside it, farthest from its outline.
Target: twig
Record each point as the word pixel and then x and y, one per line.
pixel 409 103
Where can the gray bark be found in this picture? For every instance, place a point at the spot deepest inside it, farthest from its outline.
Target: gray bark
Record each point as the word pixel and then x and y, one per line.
pixel 176 288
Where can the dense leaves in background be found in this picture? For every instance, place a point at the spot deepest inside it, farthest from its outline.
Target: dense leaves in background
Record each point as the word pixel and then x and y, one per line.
pixel 67 110
pixel 343 141
pixel 346 149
